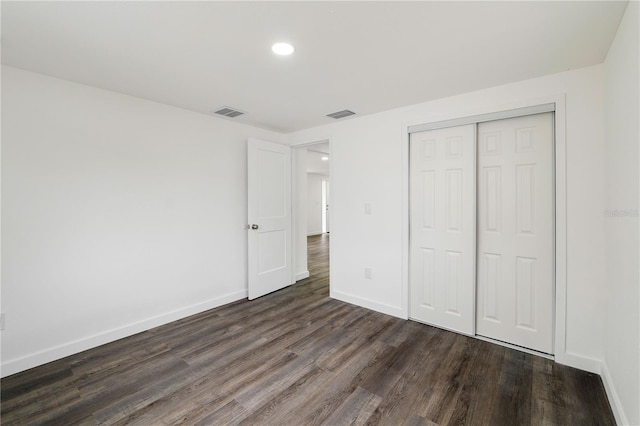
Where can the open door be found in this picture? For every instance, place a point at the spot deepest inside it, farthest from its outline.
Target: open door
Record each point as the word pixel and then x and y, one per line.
pixel 326 227
pixel 269 228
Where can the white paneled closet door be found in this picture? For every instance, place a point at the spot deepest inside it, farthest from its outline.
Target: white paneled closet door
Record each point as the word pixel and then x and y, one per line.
pixel 442 252
pixel 515 231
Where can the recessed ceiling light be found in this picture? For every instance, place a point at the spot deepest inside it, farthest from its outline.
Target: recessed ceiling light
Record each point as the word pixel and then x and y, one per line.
pixel 282 49
pixel 325 158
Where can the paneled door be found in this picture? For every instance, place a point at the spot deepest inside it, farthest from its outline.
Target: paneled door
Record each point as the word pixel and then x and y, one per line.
pixel 442 251
pixel 269 214
pixel 516 232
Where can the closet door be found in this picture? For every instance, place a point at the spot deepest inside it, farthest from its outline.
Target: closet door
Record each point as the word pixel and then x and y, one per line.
pixel 442 252
pixel 515 231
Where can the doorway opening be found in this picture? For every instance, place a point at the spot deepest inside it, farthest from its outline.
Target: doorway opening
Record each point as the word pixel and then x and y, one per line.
pixel 311 197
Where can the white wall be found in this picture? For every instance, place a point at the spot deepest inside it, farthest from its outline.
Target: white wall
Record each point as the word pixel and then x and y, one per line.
pixel 314 203
pixel 622 331
pixel 119 214
pixel 368 166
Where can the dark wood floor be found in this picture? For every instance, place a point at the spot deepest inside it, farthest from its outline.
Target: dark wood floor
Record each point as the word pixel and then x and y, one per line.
pixel 296 357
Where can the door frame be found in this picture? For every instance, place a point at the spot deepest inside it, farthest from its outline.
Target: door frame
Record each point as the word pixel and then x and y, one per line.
pixel 560 199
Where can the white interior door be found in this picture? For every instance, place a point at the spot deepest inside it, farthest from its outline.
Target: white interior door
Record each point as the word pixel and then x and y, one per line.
pixel 327 217
pixel 515 231
pixel 269 230
pixel 442 252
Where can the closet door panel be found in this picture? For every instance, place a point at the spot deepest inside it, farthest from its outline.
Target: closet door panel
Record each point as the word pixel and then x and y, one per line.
pixel 442 252
pixel 515 231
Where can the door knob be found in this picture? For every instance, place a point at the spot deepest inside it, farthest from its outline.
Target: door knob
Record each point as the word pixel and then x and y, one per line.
pixel 254 226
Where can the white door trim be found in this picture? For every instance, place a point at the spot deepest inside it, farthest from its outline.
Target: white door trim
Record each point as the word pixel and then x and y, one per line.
pixel 560 160
pixel 475 119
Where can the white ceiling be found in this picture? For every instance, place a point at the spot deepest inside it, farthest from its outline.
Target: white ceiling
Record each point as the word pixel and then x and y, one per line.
pixel 363 56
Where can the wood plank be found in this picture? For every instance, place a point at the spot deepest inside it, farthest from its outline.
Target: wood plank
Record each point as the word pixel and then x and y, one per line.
pixel 355 410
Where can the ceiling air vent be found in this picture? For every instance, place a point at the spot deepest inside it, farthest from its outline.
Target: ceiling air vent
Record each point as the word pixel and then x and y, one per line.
pixel 341 114
pixel 229 112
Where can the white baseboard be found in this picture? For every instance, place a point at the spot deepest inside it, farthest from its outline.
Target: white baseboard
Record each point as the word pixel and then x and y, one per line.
pixel 369 304
pixel 598 367
pixel 51 354
pixel 614 400
pixel 302 275
pixel 580 362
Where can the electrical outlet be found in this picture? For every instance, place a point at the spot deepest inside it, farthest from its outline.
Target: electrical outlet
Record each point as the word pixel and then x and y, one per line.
pixel 367 208
pixel 368 273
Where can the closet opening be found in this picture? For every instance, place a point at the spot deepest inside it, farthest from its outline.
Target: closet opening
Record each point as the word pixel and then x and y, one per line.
pixel 482 225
